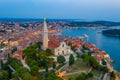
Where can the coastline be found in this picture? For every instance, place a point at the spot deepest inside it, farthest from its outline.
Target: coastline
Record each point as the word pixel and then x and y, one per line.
pixel 101 43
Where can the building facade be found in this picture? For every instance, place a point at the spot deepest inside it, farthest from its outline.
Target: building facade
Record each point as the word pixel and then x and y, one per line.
pixel 63 49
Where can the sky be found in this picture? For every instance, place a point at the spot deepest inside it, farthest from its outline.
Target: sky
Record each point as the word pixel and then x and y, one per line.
pixel 61 9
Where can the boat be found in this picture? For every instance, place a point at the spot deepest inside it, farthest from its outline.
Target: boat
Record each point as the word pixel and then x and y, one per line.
pixel 112 61
pixel 85 35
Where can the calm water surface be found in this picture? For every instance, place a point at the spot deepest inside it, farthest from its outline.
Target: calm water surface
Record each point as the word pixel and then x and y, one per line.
pixel 109 44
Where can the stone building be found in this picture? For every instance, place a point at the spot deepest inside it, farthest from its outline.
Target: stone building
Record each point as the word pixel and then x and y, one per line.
pixel 57 47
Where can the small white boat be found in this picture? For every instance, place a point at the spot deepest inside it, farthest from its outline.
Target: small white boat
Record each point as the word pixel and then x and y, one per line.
pixel 85 35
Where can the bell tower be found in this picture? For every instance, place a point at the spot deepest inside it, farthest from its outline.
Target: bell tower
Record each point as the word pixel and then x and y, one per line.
pixel 45 35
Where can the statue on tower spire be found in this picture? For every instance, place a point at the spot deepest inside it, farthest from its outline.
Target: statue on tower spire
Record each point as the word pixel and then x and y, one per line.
pixel 44 18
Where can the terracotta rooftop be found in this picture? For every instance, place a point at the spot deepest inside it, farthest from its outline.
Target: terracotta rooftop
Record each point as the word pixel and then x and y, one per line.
pixel 98 58
pixel 53 43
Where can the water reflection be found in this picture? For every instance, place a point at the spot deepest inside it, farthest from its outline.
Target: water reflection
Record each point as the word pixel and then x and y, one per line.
pixel 98 40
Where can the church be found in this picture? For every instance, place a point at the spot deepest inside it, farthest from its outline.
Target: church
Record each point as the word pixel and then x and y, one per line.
pixel 57 47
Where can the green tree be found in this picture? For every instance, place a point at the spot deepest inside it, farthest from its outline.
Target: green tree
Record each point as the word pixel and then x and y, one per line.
pixel 103 62
pixel 34 70
pixel 105 69
pixel 61 59
pixel 14 49
pixel 71 60
pixel 33 63
pixel 14 63
pixel 73 48
pixel 54 65
pixel 90 61
pixel 4 75
pixel 71 78
pixel 46 68
pixel 89 53
pixel 23 73
pixel 30 51
pixel 48 52
pixel 112 75
pixel 90 74
pixel 78 55
pixel 27 76
pixel 82 76
pixel 39 44
pixel 83 56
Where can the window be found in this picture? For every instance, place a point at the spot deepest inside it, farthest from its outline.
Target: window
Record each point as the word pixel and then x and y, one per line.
pixel 62 52
pixel 63 45
pixel 67 51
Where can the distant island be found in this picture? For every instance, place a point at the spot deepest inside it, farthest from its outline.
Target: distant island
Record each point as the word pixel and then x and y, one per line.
pixel 112 32
pixel 94 23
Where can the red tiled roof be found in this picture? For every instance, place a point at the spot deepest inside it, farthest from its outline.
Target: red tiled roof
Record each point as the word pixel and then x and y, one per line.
pixel 17 57
pixel 97 58
pixel 53 43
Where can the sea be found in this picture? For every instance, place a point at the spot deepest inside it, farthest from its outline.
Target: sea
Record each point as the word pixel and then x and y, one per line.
pixel 111 45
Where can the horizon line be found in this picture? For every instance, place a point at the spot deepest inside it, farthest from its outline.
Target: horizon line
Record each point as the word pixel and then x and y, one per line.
pixel 56 19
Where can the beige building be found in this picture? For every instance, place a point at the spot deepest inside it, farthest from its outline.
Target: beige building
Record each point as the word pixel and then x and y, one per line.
pixel 63 49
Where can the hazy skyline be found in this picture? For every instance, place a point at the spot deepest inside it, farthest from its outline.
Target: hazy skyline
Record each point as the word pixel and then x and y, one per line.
pixel 61 9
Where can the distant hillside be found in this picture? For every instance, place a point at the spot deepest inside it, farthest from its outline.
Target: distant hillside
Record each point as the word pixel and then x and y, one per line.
pixel 112 32
pixel 70 22
pixel 94 24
